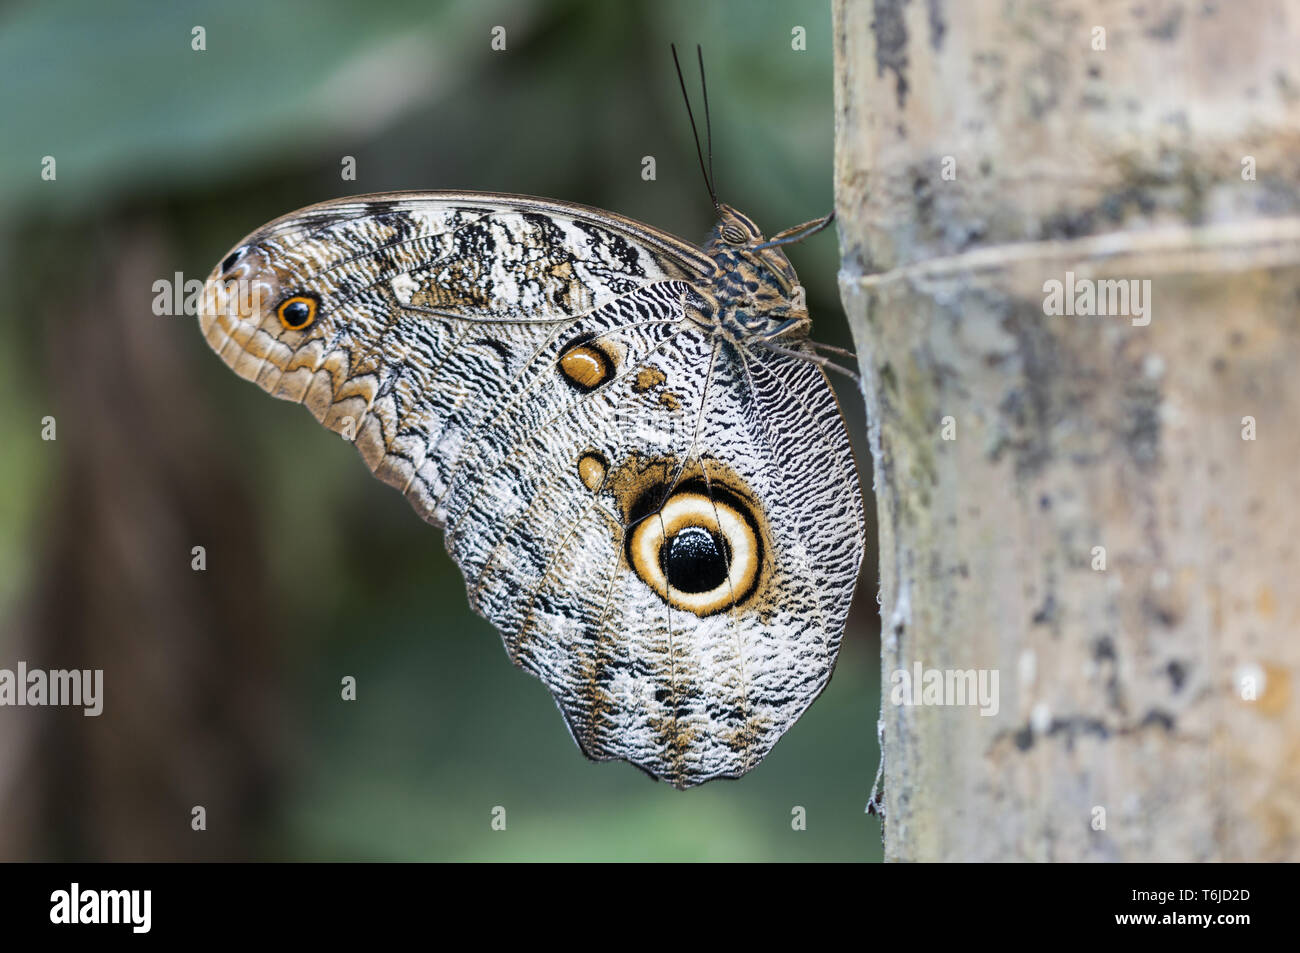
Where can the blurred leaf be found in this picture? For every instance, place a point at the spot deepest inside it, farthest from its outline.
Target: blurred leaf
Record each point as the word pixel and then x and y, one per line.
pixel 115 93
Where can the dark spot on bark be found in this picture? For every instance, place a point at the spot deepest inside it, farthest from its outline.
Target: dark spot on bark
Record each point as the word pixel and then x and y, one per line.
pixel 1157 717
pixel 1042 84
pixel 923 190
pixel 887 378
pixel 1027 413
pixel 1046 614
pixel 1115 205
pixel 1068 224
pixel 1025 738
pixel 1103 649
pixel 1141 433
pixel 1177 675
pixel 1165 615
pixel 891 43
pixel 1044 502
pixel 1074 727
pixel 1167 28
pixel 937 25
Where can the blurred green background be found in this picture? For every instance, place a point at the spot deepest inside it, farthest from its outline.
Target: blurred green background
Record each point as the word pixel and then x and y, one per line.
pixel 222 686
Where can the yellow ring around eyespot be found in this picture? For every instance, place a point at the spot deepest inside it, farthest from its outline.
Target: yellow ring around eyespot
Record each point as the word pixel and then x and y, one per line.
pixel 717 516
pixel 311 312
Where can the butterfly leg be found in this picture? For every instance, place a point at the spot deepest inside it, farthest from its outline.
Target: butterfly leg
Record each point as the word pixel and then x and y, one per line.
pixel 843 352
pixel 790 324
pixel 817 359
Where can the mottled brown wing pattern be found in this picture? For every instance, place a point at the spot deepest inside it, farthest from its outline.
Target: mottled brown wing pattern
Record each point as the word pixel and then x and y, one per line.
pixel 379 364
pixel 529 375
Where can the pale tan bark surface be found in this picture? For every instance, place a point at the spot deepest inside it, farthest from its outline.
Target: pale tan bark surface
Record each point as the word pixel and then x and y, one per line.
pixel 1159 693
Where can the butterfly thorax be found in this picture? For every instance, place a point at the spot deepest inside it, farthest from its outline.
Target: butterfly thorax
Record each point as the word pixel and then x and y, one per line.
pixel 755 293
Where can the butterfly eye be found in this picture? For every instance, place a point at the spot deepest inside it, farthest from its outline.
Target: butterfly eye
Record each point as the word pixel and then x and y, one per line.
pixel 587 364
pixel 699 553
pixel 297 312
pixel 733 235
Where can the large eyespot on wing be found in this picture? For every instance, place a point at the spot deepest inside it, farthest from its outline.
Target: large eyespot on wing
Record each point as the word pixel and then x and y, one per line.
pixel 701 551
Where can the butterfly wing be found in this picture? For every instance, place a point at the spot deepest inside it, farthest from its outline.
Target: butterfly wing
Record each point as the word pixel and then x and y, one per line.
pixel 699 680
pixel 526 373
pixel 432 309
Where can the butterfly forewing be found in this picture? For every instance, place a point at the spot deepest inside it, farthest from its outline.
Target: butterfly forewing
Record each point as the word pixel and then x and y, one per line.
pixel 664 525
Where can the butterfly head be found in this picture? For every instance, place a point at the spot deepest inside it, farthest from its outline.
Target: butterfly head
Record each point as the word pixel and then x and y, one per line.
pixel 756 291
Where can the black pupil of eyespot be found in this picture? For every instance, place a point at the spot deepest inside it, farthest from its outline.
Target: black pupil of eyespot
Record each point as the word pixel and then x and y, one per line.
pixel 297 312
pixel 695 560
pixel 231 260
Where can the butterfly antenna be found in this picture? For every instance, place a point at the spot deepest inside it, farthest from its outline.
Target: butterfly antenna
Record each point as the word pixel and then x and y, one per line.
pixel 694 132
pixel 708 126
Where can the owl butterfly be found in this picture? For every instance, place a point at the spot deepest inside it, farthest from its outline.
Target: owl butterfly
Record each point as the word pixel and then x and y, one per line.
pixel 630 443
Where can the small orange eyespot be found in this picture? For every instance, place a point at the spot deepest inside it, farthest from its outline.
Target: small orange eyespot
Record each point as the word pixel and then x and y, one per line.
pixel 297 312
pixel 586 364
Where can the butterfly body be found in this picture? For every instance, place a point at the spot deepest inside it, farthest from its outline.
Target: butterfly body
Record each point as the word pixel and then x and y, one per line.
pixel 657 509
